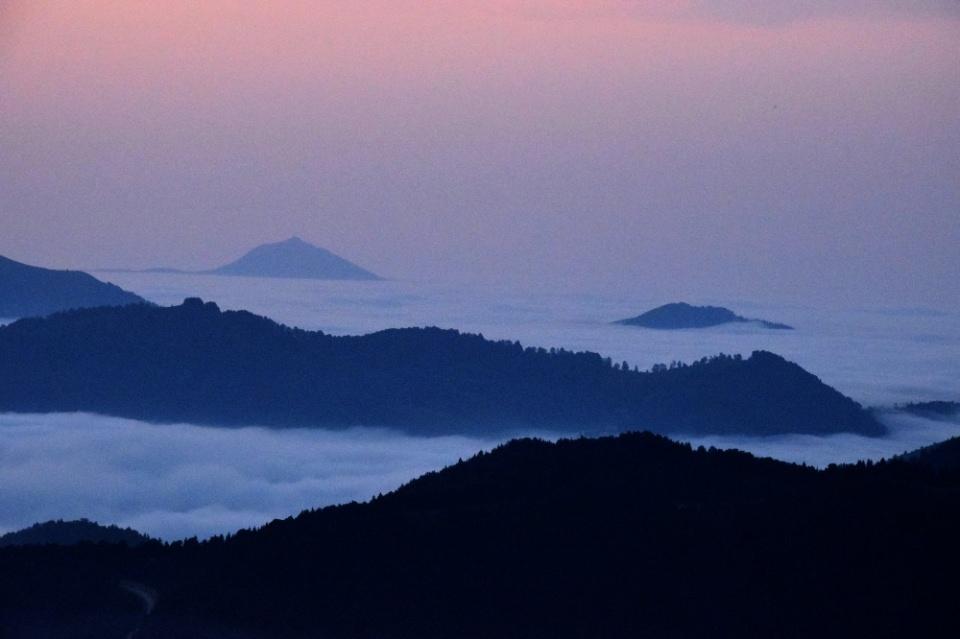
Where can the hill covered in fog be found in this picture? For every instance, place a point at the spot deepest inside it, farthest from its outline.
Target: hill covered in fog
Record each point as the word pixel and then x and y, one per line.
pixel 197 364
pixel 27 291
pixel 931 410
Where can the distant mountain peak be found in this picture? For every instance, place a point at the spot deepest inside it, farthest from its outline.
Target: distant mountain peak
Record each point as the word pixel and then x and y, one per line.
pixel 297 259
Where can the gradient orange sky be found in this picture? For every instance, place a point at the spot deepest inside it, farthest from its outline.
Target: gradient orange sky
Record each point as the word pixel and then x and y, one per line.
pixel 807 150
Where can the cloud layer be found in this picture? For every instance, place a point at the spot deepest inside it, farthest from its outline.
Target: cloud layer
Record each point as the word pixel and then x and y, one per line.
pixel 784 11
pixel 174 481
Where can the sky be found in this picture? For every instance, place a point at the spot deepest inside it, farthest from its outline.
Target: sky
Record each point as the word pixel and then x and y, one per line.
pixel 787 151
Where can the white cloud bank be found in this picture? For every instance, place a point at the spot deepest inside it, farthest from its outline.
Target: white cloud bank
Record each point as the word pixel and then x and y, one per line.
pixel 175 481
pixel 179 480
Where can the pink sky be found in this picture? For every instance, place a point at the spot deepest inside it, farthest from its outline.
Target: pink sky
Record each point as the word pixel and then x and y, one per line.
pixel 806 150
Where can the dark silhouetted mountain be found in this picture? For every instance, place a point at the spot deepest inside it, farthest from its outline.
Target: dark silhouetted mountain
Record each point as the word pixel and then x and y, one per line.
pixel 67 533
pixel 27 291
pixel 294 258
pixel 942 457
pixel 931 410
pixel 197 364
pixel 682 315
pixel 634 536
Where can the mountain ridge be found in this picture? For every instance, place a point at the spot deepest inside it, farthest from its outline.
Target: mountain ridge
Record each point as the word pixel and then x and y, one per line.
pixel 197 364
pixel 27 291
pixel 625 536
pixel 70 532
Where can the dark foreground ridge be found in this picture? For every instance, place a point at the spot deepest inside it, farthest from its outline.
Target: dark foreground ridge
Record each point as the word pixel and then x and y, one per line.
pixel 68 533
pixel 197 364
pixel 27 291
pixel 943 457
pixel 621 537
pixel 682 315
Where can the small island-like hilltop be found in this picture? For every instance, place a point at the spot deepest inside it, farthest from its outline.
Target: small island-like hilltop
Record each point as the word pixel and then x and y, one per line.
pixel 679 315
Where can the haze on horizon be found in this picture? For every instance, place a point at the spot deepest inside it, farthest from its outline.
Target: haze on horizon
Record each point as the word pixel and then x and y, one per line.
pixel 805 151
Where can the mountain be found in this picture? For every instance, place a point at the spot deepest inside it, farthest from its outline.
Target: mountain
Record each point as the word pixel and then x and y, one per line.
pixel 633 536
pixel 294 258
pixel 67 533
pixel 682 315
pixel 931 410
pixel 27 291
pixel 197 364
pixel 941 457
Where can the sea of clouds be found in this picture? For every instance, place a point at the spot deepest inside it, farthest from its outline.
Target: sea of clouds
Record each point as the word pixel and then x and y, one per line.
pixel 180 480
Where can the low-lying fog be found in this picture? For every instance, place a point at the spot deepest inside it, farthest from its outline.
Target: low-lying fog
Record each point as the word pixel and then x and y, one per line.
pixel 174 481
pixel 906 433
pixel 179 480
